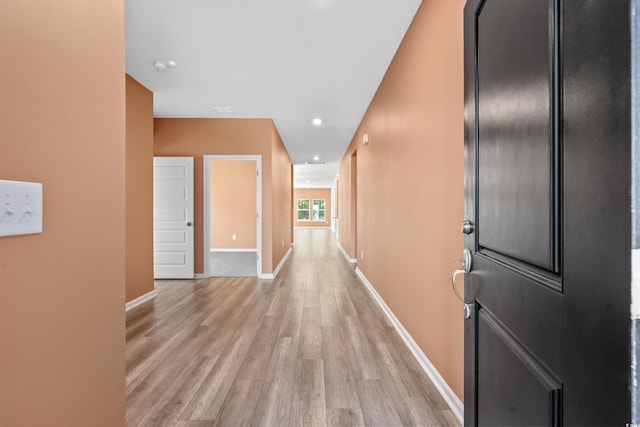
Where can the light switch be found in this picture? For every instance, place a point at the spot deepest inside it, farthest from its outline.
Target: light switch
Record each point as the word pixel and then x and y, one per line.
pixel 20 208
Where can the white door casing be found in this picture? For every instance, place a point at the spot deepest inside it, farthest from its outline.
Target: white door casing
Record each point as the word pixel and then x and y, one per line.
pixel 173 247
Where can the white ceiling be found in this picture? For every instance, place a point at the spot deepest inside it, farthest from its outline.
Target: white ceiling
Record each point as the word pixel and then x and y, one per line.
pixel 322 176
pixel 289 60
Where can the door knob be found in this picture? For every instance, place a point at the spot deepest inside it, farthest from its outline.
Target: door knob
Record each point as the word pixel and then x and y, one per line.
pixel 466 268
pixel 467 227
pixel 189 224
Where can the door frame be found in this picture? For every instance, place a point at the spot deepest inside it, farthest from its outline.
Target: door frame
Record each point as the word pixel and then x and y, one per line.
pixel 206 198
pixel 354 208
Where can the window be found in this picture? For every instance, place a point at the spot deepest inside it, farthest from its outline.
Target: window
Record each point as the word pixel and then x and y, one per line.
pixel 303 209
pixel 318 210
pixel 311 210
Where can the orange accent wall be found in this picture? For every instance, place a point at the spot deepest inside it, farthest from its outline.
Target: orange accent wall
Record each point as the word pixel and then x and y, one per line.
pixel 347 200
pixel 233 204
pixel 198 137
pixel 281 185
pixel 139 191
pixel 310 194
pixel 62 292
pixel 409 179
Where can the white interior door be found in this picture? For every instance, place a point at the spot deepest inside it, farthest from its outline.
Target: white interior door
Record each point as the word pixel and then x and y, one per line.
pixel 173 251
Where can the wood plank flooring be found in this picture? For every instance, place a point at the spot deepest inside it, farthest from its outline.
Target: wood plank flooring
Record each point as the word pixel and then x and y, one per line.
pixel 311 348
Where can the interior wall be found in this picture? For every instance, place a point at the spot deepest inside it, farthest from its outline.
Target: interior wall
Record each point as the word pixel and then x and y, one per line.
pixel 198 137
pixel 139 190
pixel 62 292
pixel 345 199
pixel 311 194
pixel 282 185
pixel 232 196
pixel 410 186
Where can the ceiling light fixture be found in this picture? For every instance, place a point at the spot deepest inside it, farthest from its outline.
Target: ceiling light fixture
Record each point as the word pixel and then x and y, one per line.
pixel 317 121
pixel 163 66
pixel 316 158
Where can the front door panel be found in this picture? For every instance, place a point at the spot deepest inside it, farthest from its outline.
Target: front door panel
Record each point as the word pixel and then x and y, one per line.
pixel 546 190
pixel 516 148
pixel 518 307
pixel 528 395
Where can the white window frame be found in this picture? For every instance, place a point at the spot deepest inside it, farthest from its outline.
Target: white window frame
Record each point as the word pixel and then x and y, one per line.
pixel 313 211
pixel 298 210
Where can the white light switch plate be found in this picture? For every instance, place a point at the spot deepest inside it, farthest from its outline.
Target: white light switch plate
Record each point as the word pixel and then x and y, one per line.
pixel 20 208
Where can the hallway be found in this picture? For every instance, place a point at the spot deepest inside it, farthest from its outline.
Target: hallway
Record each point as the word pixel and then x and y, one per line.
pixel 311 347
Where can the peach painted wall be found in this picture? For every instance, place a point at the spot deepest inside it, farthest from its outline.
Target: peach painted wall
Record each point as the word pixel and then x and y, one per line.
pixel 233 204
pixel 410 185
pixel 347 201
pixel 139 193
pixel 282 186
pixel 198 137
pixel 310 194
pixel 62 292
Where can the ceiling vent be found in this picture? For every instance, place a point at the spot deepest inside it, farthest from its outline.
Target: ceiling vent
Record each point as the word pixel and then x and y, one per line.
pixel 223 110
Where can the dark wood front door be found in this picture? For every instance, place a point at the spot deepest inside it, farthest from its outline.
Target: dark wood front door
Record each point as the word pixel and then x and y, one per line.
pixel 547 167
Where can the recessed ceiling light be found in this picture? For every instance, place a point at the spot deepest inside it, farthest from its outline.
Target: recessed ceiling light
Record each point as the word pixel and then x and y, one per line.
pixel 316 158
pixel 317 121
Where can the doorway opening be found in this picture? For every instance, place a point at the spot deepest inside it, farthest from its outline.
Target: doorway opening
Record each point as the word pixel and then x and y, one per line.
pixel 232 216
pixel 354 207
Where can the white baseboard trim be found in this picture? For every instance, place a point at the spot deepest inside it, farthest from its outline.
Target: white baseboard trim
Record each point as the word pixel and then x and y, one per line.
pixel 346 255
pixel 140 300
pixel 271 276
pixel 447 393
pixel 198 276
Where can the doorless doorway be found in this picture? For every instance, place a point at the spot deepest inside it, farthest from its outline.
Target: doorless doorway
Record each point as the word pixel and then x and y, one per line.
pixel 232 216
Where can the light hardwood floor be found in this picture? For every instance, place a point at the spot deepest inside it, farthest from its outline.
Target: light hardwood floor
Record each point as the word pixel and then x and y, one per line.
pixel 310 348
